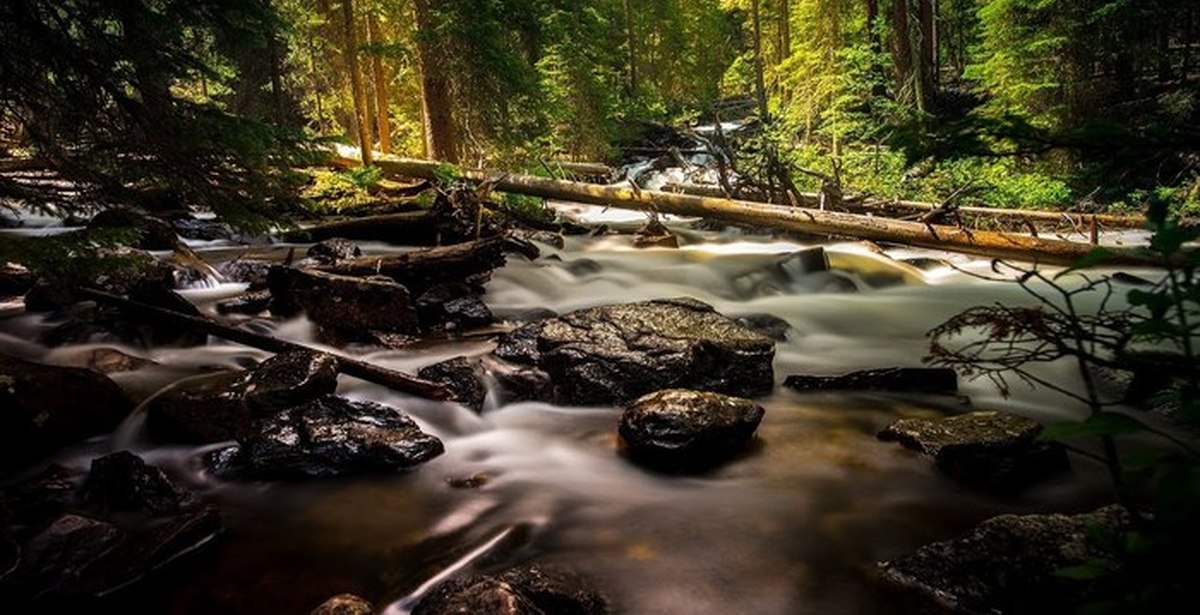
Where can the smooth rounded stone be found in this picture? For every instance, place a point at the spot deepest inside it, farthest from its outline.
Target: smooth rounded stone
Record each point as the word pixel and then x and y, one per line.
pixel 343 307
pixel 529 590
pixel 992 450
pixel 219 407
pixel 331 251
pixel 332 436
pixel 288 379
pixel 890 380
pixel 152 233
pixel 452 306
pixel 43 408
pixel 807 260
pixel 249 304
pixel 246 271
pixel 767 325
pixel 614 354
pixel 463 376
pixel 680 430
pixel 54 561
pixel 344 604
pixel 36 501
pixel 123 482
pixel 1009 564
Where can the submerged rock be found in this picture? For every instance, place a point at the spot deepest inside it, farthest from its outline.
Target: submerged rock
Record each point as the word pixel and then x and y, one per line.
pixel 615 354
pixel 221 406
pixel 332 436
pixel 43 408
pixel 767 325
pixel 529 590
pixel 679 430
pixel 993 450
pixel 343 307
pixel 1009 564
pixel 344 604
pixel 246 271
pixel 333 250
pixel 124 482
pixel 891 380
pixel 463 376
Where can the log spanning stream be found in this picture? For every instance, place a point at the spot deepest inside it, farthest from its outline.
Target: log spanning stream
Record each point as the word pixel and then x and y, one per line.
pixel 794 526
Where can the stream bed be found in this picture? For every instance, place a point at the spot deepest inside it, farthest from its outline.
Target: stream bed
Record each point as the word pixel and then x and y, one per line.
pixel 794 526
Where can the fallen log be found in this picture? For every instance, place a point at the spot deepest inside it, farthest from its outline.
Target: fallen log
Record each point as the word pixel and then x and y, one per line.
pixel 988 244
pixel 406 228
pixel 471 262
pixel 584 169
pixel 1075 219
pixel 397 381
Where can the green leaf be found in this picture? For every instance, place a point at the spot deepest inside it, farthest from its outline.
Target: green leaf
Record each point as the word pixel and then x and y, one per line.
pixel 1095 258
pixel 1099 424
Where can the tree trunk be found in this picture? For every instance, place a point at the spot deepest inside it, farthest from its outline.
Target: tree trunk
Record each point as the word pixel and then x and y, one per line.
pixel 350 45
pixel 631 43
pixel 330 31
pixel 440 137
pixel 902 51
pixel 876 46
pixel 785 30
pixel 927 67
pixel 760 88
pixel 797 219
pixel 382 108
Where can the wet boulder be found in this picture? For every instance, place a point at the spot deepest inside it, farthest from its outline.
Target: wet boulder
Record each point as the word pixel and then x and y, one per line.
pixel 529 590
pixel 991 450
pixel 678 430
pixel 452 306
pixel 655 235
pixel 150 233
pixel 246 271
pixel 43 408
pixel 103 360
pixel 344 604
pixel 55 560
pixel 344 307
pixel 249 304
pixel 332 436
pixel 890 380
pixel 767 325
pixel 116 271
pixel 615 354
pixel 15 280
pixel 219 407
pixel 123 482
pixel 463 376
pixel 33 503
pixel 1009 564
pixel 333 250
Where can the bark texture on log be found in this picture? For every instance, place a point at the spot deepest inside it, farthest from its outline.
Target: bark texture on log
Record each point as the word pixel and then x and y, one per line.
pixel 471 262
pixel 803 220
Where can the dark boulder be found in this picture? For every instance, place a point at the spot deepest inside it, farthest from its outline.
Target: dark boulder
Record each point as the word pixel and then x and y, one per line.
pixel 655 235
pixel 118 271
pixel 679 430
pixel 43 408
pixel 462 375
pixel 991 450
pixel 89 323
pixel 344 308
pixel 333 436
pixel 15 280
pixel 123 482
pixel 221 406
pixel 103 360
pixel 1009 564
pixel 151 233
pixel 249 304
pixel 615 354
pixel 33 503
pixel 529 590
pixel 333 250
pixel 344 604
pixel 61 557
pixel 767 325
pixel 453 306
pixel 246 271
pixel 891 380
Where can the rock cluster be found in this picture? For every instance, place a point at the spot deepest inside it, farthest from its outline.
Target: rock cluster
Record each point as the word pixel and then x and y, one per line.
pixel 530 590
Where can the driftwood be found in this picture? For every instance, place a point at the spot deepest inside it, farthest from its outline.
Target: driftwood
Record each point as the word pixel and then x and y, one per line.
pixel 391 379
pixel 796 219
pixel 471 262
pixel 407 228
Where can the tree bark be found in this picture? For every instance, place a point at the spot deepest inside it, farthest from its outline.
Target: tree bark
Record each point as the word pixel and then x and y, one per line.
pixel 785 30
pixel 797 219
pixel 440 134
pixel 350 44
pixel 928 59
pixel 631 43
pixel 760 88
pixel 902 51
pixel 382 108
pixel 471 262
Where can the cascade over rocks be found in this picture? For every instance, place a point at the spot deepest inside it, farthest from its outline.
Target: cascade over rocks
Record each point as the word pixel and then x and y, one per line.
pixel 679 431
pixel 1009 564
pixel 217 408
pixel 614 354
pixel 463 375
pixel 329 436
pixel 528 590
pixel 991 450
pixel 43 408
pixel 891 380
pixel 343 307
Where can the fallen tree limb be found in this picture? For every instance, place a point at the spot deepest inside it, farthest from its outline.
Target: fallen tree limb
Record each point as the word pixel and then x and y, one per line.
pixel 397 381
pixel 472 262
pixel 407 228
pixel 803 220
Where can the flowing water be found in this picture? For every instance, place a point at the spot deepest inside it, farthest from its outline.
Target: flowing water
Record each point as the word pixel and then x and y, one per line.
pixel 794 526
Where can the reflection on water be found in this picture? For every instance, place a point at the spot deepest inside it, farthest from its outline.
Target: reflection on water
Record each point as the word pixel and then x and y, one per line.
pixel 792 527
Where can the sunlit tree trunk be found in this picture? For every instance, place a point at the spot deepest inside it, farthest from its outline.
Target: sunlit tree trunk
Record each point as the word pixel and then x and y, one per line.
pixel 760 88
pixel 440 137
pixel 350 44
pixel 785 30
pixel 382 107
pixel 342 118
pixel 631 43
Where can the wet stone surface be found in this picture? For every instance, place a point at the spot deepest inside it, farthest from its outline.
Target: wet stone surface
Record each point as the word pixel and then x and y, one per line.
pixel 682 431
pixel 890 380
pixel 529 590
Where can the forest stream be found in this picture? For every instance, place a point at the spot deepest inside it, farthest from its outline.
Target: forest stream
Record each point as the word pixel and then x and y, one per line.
pixel 794 525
